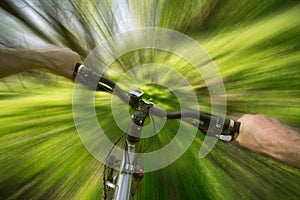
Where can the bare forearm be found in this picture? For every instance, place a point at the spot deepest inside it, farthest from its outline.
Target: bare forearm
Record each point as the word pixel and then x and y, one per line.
pixel 58 60
pixel 286 147
pixel 268 136
pixel 14 61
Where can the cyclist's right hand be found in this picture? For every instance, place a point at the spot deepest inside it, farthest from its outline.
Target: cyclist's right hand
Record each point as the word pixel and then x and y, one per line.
pixel 268 136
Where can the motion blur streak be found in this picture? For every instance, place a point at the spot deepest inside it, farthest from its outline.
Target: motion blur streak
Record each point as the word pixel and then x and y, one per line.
pixel 254 43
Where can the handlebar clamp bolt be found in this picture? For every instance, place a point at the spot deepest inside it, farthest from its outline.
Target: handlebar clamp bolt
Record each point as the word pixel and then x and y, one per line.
pixel 218 125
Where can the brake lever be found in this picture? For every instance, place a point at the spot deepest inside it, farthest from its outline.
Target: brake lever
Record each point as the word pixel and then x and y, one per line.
pixel 221 128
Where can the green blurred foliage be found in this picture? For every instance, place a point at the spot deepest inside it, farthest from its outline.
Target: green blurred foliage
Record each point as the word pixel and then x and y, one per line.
pixel 255 45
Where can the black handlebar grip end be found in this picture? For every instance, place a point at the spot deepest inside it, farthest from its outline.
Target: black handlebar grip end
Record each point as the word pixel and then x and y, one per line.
pixel 76 70
pixel 76 67
pixel 236 129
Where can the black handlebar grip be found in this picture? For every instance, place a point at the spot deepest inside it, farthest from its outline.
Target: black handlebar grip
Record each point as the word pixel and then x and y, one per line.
pixel 86 76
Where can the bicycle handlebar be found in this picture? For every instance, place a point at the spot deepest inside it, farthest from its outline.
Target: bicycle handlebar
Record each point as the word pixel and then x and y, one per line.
pixel 222 128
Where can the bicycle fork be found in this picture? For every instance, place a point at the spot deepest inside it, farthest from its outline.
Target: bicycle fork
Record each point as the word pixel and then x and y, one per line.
pixel 124 185
pixel 125 176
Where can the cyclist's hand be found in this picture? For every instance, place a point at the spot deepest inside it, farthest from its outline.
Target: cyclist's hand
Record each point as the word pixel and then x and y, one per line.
pixel 60 61
pixel 268 136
